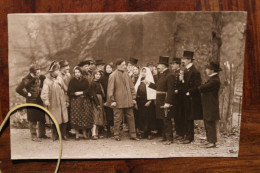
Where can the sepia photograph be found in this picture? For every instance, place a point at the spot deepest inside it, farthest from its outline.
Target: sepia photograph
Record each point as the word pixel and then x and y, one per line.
pixel 126 85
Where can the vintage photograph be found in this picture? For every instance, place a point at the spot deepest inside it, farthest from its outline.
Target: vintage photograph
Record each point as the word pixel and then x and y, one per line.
pixel 127 85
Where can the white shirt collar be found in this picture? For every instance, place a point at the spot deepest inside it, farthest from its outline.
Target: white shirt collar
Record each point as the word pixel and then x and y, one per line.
pixel 189 65
pixel 213 74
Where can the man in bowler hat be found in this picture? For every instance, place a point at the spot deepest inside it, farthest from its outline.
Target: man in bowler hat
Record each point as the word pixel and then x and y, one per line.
pixel 210 103
pixel 192 98
pixel 164 99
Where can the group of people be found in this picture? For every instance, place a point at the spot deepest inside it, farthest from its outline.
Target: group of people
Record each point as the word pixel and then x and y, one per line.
pixel 160 100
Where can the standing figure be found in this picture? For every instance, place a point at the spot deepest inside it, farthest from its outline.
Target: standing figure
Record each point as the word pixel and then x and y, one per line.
pixel 99 96
pixel 81 106
pixel 100 66
pixel 130 66
pixel 30 88
pixel 192 98
pixel 136 73
pixel 85 67
pixel 121 94
pixel 178 109
pixel 65 75
pixel 145 101
pixel 210 103
pixel 53 97
pixel 109 111
pixel 164 99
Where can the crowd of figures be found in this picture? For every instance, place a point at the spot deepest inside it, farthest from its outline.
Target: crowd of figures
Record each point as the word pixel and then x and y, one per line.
pixel 160 100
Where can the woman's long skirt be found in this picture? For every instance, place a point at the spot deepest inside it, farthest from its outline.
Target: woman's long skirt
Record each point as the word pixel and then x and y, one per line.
pixel 81 113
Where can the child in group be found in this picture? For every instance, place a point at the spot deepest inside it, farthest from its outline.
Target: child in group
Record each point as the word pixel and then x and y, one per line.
pixel 99 96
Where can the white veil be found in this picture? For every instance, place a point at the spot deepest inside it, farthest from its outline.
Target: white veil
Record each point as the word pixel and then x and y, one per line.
pixel 151 93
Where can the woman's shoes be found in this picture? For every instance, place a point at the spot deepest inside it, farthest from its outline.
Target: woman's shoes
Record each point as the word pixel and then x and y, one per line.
pixel 94 138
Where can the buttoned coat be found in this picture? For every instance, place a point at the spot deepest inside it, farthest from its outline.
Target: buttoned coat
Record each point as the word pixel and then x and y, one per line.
pixel 209 97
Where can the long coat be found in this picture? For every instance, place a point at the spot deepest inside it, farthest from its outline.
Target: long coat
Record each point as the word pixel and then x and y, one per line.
pixel 192 103
pixel 209 97
pixel 53 93
pixel 33 86
pixel 121 89
pixel 164 84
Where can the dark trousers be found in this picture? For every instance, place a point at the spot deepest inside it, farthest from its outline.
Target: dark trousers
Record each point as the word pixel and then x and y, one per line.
pixel 63 129
pixel 189 130
pixel 119 113
pixel 167 123
pixel 211 131
pixel 33 128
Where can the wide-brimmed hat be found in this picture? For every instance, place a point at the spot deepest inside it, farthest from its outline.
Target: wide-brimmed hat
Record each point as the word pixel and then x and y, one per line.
pixel 213 66
pixel 188 55
pixel 133 61
pixel 164 60
pixel 63 63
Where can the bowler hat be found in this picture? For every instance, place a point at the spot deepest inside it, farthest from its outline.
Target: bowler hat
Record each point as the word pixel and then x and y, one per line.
pixel 163 60
pixel 176 60
pixel 188 54
pixel 63 63
pixel 213 66
pixel 133 61
pixel 34 68
pixel 82 63
pixel 99 62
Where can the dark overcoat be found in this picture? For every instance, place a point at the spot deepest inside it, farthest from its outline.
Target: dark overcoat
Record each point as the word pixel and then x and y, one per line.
pixel 164 84
pixel 209 97
pixel 32 85
pixel 192 102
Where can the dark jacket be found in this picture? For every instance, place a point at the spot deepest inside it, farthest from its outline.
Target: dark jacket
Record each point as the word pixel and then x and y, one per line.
pixel 164 84
pixel 193 107
pixel 33 86
pixel 209 97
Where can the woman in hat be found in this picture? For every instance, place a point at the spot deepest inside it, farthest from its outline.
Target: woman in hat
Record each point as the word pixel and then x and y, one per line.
pixel 145 100
pixel 109 111
pixel 136 73
pixel 53 97
pixel 81 107
pixel 99 97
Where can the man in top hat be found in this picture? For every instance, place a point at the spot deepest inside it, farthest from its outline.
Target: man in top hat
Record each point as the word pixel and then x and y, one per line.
pixel 210 103
pixel 164 99
pixel 30 88
pixel 53 97
pixel 178 109
pixel 192 98
pixel 130 66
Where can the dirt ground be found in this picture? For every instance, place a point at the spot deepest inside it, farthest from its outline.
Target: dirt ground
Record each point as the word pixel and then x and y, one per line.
pixel 22 147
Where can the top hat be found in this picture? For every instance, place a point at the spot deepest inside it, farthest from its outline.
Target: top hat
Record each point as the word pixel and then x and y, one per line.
pixel 34 68
pixel 99 62
pixel 176 60
pixel 188 54
pixel 133 61
pixel 213 66
pixel 54 66
pixel 63 63
pixel 163 60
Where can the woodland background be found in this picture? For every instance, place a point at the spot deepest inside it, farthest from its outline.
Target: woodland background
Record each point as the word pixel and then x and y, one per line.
pixel 249 157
